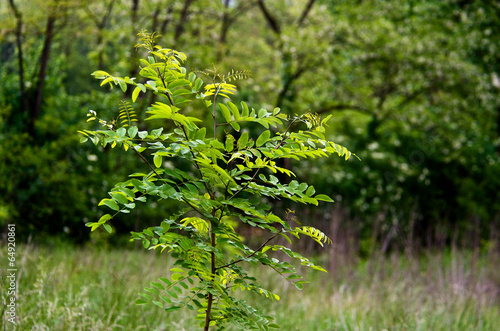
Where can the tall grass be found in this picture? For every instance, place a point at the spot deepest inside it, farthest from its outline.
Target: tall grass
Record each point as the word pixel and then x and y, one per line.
pixel 66 288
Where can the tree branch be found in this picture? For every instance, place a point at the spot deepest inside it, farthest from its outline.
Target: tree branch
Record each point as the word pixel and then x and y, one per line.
pixel 305 12
pixel 288 84
pixel 273 23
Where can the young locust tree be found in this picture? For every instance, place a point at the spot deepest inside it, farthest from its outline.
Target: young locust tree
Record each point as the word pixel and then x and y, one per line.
pixel 231 174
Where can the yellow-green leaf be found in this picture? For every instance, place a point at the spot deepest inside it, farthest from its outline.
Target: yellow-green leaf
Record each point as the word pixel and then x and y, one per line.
pixel 263 138
pixel 323 197
pixel 234 110
pixel 243 140
pixel 135 94
pixel 157 160
pixel 229 143
pixel 110 203
pixel 225 111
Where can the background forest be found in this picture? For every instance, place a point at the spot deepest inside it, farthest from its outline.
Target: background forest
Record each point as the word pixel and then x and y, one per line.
pixel 413 88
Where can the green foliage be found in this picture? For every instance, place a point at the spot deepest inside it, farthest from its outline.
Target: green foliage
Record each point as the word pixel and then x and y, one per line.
pixel 231 178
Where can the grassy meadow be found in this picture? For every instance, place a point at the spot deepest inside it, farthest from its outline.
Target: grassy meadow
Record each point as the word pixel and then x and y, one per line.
pixel 67 288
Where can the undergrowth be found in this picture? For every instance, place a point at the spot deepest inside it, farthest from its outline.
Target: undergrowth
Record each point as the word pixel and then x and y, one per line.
pixel 65 288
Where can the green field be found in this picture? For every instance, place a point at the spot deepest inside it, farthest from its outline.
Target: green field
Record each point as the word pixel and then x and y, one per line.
pixel 66 288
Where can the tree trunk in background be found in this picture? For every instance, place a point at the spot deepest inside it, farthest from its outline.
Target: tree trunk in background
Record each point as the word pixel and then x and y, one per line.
pixel 19 31
pixel 133 57
pixel 101 25
pixel 273 23
pixel 168 18
pixel 305 12
pixel 221 49
pixel 179 29
pixel 44 60
pixel 228 19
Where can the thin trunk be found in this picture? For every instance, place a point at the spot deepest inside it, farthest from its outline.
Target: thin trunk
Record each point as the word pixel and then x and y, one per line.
pixel 212 270
pixel 49 33
pixel 19 31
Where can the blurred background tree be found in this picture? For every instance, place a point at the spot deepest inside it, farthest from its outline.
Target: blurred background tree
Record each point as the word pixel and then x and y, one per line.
pixel 413 87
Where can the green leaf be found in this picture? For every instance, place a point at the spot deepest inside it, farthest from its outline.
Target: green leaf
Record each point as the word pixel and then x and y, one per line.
pixel 173 308
pixel 158 303
pixel 120 197
pixel 323 197
pixel 121 132
pixel 157 132
pixel 263 138
pixel 229 143
pixel 99 74
pixel 181 92
pixel 244 107
pixel 135 94
pixel 243 140
pixel 197 303
pixel 142 87
pixel 157 160
pixel 176 277
pixel 107 227
pixel 200 134
pixel 152 84
pixel 158 285
pixel 235 126
pixel 300 284
pixel 173 294
pixel 132 131
pixel 110 203
pixel 165 226
pixel 225 111
pixel 122 84
pixel 104 218
pixel 310 191
pixel 140 302
pixel 165 280
pixel 176 270
pixel 234 110
pixel 198 84
pixel 179 82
